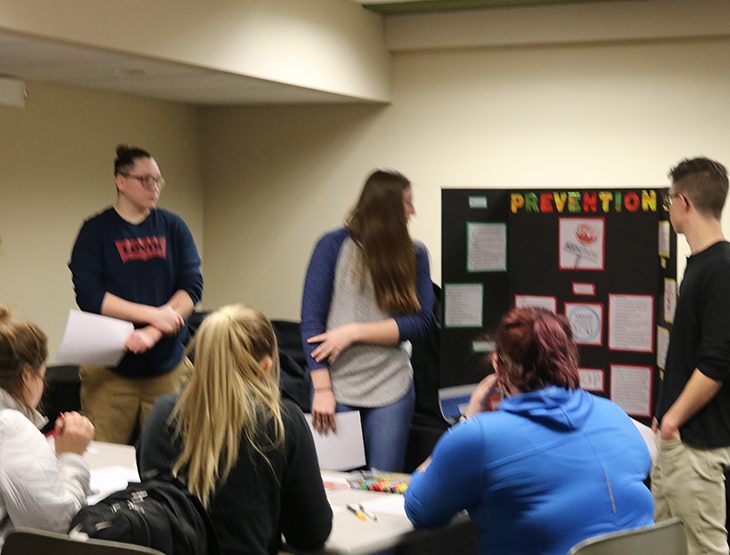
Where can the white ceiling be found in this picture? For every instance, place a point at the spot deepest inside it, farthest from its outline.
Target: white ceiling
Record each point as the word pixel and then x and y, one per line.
pixel 33 59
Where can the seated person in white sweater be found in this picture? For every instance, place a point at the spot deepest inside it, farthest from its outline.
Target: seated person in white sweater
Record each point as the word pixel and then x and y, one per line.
pixel 38 488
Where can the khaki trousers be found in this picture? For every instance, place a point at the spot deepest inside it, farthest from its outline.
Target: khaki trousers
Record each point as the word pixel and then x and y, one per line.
pixel 118 406
pixel 690 484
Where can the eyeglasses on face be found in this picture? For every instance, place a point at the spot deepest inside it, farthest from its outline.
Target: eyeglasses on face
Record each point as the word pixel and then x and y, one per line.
pixel 669 197
pixel 148 181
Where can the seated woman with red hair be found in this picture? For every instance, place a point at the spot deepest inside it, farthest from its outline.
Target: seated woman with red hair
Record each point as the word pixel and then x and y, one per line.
pixel 552 466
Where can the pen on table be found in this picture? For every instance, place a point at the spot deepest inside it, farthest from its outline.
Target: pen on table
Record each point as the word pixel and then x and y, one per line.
pixel 353 509
pixel 367 513
pixel 58 428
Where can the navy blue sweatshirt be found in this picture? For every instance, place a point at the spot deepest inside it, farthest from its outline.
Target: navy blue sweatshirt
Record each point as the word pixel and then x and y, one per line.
pixel 143 263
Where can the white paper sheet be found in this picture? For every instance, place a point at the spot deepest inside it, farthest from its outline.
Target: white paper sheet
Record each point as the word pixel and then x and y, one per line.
pixel 631 388
pixel 662 345
pixel 537 301
pixel 631 323
pixel 670 299
pixel 463 305
pixel 586 321
pixel 343 450
pixel 664 239
pixel 591 379
pixel 649 438
pixel 486 247
pixel 391 504
pixel 581 243
pixel 104 481
pixel 93 339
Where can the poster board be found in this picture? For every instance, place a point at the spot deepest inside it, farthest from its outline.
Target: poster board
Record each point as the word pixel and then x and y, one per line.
pixel 604 258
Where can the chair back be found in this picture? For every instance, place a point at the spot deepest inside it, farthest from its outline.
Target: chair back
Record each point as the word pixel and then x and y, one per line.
pixel 666 537
pixel 29 541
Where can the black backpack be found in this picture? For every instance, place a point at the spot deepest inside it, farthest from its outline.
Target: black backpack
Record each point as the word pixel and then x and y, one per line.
pixel 157 512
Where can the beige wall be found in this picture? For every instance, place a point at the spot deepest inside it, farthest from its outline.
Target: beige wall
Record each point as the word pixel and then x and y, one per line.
pixel 549 116
pixel 56 166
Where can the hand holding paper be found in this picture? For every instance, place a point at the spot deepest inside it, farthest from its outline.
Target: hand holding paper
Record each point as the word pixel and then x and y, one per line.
pixel 93 339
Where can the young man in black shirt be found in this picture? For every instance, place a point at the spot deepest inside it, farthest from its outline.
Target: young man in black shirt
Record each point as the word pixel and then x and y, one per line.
pixel 693 411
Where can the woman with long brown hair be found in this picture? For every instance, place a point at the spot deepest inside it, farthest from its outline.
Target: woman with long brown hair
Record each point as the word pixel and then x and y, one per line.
pixel 367 292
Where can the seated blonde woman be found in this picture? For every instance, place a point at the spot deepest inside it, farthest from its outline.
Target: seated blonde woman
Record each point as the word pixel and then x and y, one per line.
pixel 38 488
pixel 245 452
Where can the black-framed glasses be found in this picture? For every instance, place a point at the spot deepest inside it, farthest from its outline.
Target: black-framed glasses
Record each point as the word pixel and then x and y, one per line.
pixel 148 181
pixel 669 197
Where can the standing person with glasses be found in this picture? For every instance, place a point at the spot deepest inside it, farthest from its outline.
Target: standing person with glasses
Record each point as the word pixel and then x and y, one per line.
pixel 136 262
pixel 693 410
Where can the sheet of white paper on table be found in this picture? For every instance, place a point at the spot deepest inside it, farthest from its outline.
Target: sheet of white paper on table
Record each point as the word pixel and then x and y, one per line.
pixel 343 450
pixel 104 481
pixel 391 503
pixel 93 339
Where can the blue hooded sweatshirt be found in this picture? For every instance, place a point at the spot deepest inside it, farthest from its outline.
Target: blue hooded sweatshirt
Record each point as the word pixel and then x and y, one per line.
pixel 550 468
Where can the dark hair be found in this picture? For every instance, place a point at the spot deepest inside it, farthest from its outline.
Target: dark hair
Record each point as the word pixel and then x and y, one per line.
pixel 704 182
pixel 126 155
pixel 378 225
pixel 21 344
pixel 536 349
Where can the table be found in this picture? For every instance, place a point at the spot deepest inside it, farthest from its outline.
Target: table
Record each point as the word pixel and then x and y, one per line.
pixel 350 535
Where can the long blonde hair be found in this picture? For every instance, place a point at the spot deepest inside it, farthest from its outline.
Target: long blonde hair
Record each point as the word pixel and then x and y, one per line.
pixel 230 394
pixel 378 226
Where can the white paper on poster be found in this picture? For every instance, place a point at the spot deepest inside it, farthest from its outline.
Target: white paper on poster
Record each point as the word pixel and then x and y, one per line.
pixel 662 344
pixel 630 323
pixel 486 247
pixel 94 340
pixel 482 346
pixel 586 321
pixel 588 289
pixel 463 305
pixel 581 243
pixel 343 450
pixel 631 388
pixel 477 202
pixel 664 239
pixel 670 299
pixel 591 379
pixel 536 301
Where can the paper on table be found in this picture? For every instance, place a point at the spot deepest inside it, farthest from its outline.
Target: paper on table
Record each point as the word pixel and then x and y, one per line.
pixel 343 450
pixel 93 339
pixel 388 504
pixel 104 481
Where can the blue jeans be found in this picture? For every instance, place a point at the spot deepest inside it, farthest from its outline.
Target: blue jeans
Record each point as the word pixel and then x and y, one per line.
pixel 385 431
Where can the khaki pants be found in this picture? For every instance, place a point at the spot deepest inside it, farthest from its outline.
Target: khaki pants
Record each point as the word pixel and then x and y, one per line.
pixel 118 406
pixel 690 484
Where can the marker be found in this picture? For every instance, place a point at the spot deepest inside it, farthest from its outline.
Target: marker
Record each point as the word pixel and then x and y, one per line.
pixel 367 513
pixel 353 509
pixel 58 428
